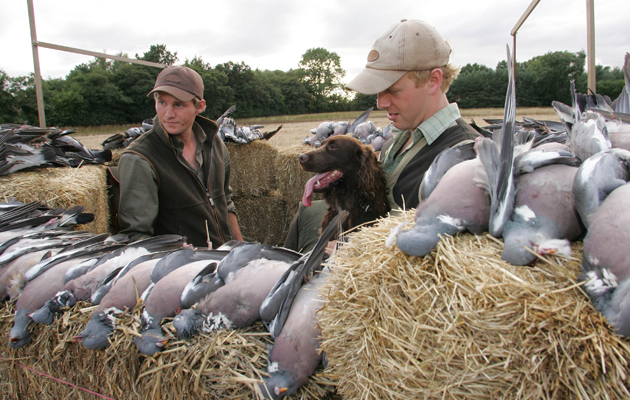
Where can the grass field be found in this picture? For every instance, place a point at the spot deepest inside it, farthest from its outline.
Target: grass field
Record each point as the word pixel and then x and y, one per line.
pixel 296 127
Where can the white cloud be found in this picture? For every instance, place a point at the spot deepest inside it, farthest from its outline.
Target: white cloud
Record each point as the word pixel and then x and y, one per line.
pixel 275 34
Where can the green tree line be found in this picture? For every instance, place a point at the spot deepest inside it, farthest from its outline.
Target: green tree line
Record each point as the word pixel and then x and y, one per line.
pixel 104 92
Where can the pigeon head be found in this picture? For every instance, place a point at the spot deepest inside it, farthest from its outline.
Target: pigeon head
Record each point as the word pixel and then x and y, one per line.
pixel 422 238
pixel 96 332
pixel 54 307
pixel 151 341
pixel 44 315
pixel 278 385
pixel 188 323
pixel 20 334
pixel 519 238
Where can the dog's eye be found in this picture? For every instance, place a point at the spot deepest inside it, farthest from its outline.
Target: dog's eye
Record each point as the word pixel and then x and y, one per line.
pixel 333 146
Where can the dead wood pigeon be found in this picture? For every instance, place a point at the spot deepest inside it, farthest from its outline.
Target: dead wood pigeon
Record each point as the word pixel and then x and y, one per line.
pixel 124 294
pixel 276 307
pixel 33 297
pixel 263 286
pixel 82 287
pixel 295 354
pixel 474 195
pixel 544 219
pixel 606 264
pixel 163 301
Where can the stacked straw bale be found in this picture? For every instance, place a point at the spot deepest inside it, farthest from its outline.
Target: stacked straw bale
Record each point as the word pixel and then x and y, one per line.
pixel 263 219
pixel 262 213
pixel 252 167
pixel 218 365
pixel 462 323
pixel 268 185
pixel 63 187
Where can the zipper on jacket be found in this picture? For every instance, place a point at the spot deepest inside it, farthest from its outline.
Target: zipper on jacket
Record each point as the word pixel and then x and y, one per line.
pixel 209 198
pixel 212 207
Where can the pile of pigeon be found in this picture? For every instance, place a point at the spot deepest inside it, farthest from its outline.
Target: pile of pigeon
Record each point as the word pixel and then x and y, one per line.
pixel 122 140
pixel 24 146
pixel 541 186
pixel 362 129
pixel 230 132
pixel 48 268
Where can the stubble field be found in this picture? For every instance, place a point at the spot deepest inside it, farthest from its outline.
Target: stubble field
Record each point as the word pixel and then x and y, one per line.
pixel 293 132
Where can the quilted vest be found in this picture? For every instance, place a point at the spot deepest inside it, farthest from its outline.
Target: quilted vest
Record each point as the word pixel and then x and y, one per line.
pixel 185 205
pixel 406 188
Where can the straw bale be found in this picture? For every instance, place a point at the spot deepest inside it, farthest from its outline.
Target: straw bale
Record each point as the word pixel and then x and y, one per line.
pixel 291 178
pixel 63 187
pixel 252 167
pixel 116 153
pixel 462 323
pixel 263 219
pixel 223 364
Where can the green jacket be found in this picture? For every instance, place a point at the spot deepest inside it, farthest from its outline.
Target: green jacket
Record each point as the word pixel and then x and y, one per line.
pixel 160 193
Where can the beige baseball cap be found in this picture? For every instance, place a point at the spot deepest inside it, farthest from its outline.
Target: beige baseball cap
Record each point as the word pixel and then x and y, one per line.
pixel 409 45
pixel 182 82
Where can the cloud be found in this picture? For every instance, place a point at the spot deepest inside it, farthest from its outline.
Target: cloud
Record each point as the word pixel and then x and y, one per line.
pixel 274 35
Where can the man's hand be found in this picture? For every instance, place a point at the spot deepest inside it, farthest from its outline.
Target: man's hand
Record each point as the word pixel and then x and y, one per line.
pixel 331 247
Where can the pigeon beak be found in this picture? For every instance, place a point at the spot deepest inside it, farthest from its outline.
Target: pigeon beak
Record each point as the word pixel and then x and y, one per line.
pixel 77 339
pixel 13 340
pixel 281 390
pixel 161 343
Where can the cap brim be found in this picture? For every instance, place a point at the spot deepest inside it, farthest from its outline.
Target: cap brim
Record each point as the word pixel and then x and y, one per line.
pixel 180 94
pixel 373 81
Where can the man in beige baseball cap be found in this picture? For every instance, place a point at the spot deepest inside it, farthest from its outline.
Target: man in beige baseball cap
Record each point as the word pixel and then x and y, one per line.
pixel 408 68
pixel 175 178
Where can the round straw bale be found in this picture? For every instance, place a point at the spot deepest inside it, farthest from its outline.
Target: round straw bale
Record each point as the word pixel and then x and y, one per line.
pixel 63 187
pixel 462 323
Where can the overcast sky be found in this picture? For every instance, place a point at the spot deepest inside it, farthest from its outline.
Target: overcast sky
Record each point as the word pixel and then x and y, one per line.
pixel 274 34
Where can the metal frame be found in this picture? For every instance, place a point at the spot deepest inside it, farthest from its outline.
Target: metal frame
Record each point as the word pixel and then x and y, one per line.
pixel 590 39
pixel 38 77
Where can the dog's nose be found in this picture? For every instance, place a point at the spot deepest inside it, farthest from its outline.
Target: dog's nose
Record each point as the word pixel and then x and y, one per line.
pixel 303 158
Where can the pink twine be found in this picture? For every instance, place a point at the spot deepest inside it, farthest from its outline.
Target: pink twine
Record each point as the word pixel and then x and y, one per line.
pixel 57 379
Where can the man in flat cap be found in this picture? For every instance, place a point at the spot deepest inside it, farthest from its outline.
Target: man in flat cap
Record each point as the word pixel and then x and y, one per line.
pixel 175 178
pixel 408 68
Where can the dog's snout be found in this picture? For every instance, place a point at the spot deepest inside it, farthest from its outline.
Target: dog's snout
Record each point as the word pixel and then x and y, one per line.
pixel 303 158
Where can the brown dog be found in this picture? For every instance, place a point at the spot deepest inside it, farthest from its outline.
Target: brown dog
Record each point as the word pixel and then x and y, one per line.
pixel 350 179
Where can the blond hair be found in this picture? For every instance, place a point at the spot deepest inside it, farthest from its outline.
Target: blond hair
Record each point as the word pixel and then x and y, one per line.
pixel 449 73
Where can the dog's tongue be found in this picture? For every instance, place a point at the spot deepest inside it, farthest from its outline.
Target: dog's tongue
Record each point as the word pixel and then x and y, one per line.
pixel 308 189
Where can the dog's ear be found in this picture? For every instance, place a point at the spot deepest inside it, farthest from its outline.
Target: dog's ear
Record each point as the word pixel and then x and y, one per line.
pixel 370 171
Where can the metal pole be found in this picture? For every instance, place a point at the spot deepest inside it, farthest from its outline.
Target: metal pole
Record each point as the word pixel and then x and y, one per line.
pixel 97 54
pixel 38 76
pixel 590 45
pixel 517 26
pixel 514 55
pixel 528 11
